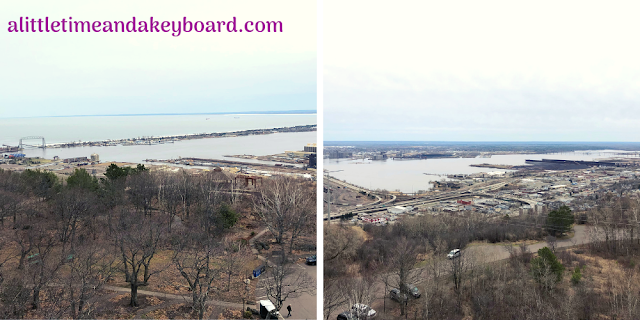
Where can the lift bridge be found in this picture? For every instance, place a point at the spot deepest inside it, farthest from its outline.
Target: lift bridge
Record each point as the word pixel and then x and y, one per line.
pixel 21 145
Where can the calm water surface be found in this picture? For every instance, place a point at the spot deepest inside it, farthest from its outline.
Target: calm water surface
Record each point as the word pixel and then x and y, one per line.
pixel 68 129
pixel 98 128
pixel 213 148
pixel 409 175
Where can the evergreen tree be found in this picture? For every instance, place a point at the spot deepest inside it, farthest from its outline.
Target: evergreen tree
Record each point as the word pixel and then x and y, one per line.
pixel 80 178
pixel 559 221
pixel 228 217
pixel 546 266
pixel 114 172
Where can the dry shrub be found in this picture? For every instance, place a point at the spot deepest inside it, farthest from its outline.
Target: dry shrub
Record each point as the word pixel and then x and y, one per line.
pixel 152 301
pixel 230 314
pixel 569 258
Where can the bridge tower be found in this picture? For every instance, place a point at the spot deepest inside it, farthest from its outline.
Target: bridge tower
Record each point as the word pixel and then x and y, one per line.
pixel 44 145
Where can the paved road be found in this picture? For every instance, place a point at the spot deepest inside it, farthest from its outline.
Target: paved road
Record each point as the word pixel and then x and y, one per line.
pixel 304 306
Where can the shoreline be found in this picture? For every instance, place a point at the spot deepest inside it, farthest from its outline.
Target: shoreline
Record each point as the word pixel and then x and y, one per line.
pixel 494 166
pixel 213 163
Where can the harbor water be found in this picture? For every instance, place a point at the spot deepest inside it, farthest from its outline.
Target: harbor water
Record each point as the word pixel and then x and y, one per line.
pixel 414 175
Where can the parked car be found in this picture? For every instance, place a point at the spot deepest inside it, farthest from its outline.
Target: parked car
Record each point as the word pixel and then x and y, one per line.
pixel 413 290
pixel 454 254
pixel 397 296
pixel 268 310
pixel 311 260
pixel 347 315
pixel 363 311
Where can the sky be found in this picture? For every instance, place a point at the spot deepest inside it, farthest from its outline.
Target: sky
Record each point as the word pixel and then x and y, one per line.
pixel 61 74
pixel 481 71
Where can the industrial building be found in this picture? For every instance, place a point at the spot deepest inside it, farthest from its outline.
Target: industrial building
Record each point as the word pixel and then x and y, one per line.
pixel 313 161
pixel 340 154
pixel 311 147
pixel 78 159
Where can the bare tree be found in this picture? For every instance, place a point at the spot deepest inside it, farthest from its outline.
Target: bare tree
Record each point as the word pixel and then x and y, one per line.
pixel 333 296
pixel 187 190
pixel 552 242
pixel 142 190
pixel 304 221
pixel 283 280
pixel 44 263
pixel 359 291
pixel 234 257
pixel 14 298
pixel 286 206
pixel 458 267
pixel 340 242
pixel 90 267
pixel 196 261
pixel 71 208
pixel 138 240
pixel 402 263
pixel 169 196
pixel 9 205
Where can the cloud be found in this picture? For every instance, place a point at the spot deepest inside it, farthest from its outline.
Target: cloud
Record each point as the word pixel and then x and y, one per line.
pixel 491 70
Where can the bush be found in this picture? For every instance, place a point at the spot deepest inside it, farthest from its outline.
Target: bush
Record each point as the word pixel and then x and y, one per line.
pixel 228 216
pixel 247 314
pixel 544 263
pixel 576 276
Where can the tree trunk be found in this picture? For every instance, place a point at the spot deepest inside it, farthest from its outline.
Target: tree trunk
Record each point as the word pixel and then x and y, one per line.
pixel 201 311
pixel 134 295
pixel 74 315
pixel 36 298
pixel 80 306
pixel 291 244
pixel 23 255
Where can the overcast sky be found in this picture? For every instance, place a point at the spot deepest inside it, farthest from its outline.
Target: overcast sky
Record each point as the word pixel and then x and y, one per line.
pixel 47 74
pixel 481 71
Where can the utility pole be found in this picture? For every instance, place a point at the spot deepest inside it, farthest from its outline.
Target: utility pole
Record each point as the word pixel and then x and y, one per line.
pixel 328 203
pixel 329 192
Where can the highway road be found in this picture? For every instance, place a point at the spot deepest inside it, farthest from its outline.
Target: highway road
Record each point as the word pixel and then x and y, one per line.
pixel 421 201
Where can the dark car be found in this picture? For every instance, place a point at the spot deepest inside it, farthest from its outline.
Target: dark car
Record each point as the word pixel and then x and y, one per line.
pixel 347 315
pixel 311 260
pixel 397 296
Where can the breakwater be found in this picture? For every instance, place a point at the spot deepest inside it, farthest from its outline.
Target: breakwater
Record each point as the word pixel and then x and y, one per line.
pixel 174 138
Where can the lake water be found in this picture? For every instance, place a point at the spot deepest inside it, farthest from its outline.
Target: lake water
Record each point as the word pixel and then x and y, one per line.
pixel 68 129
pixel 98 128
pixel 409 175
pixel 212 148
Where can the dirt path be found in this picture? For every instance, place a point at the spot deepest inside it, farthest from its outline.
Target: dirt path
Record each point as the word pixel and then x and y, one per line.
pixel 169 296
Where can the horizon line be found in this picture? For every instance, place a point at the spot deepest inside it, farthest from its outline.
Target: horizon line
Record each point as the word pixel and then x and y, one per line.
pixel 173 114
pixel 476 141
